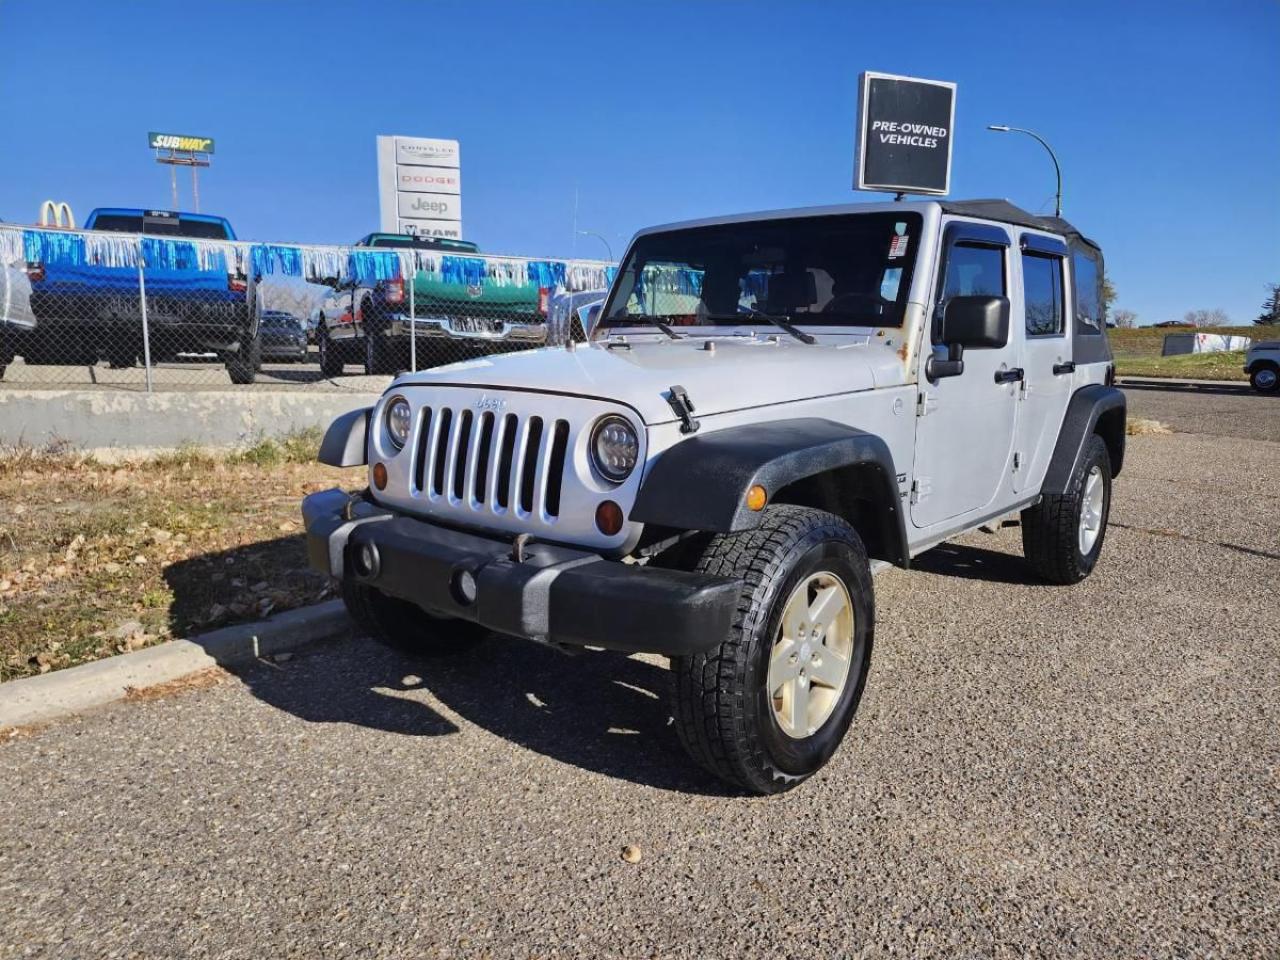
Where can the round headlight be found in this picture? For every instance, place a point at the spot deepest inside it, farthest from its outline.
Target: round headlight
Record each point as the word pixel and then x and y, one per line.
pixel 614 448
pixel 398 417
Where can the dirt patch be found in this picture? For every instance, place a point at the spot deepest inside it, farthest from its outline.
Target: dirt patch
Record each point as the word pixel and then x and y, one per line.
pixel 201 679
pixel 98 559
pixel 1141 427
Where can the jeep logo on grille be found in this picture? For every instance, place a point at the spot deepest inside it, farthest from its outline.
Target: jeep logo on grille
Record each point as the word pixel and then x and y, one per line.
pixel 490 403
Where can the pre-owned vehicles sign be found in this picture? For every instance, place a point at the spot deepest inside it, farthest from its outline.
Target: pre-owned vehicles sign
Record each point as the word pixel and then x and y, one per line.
pixel 905 129
pixel 178 141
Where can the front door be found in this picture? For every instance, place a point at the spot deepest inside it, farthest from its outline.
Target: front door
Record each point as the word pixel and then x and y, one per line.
pixel 965 423
pixel 1048 372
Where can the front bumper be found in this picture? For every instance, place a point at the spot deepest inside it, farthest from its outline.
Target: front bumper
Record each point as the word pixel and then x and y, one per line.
pixel 467 328
pixel 556 594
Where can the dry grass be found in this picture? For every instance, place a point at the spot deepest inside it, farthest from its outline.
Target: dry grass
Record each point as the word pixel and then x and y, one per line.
pixel 200 680
pixel 98 559
pixel 1141 427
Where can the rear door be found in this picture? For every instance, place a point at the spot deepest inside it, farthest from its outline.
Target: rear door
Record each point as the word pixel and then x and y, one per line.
pixel 1041 328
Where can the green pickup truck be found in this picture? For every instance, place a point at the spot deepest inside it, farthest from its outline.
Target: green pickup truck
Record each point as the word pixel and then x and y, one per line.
pixel 474 303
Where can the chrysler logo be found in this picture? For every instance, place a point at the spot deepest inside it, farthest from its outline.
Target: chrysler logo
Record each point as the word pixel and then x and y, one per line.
pixel 490 403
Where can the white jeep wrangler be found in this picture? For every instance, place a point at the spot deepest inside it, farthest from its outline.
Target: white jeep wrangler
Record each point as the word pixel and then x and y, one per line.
pixel 770 405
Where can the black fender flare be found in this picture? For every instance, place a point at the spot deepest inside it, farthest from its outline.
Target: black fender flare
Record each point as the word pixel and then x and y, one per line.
pixel 1092 409
pixel 344 443
pixel 702 483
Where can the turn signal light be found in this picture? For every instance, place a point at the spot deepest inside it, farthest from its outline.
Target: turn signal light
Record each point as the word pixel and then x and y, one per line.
pixel 380 476
pixel 393 291
pixel 237 284
pixel 757 498
pixel 608 518
pixel 544 300
pixel 35 271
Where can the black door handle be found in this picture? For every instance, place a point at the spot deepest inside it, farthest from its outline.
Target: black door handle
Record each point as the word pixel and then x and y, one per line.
pixel 1009 376
pixel 1060 368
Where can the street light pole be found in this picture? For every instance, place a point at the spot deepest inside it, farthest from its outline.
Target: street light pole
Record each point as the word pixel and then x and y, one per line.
pixel 1003 128
pixel 592 233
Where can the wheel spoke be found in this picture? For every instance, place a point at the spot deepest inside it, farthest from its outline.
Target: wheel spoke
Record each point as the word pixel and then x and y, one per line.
pixel 793 619
pixel 795 703
pixel 784 664
pixel 829 669
pixel 826 606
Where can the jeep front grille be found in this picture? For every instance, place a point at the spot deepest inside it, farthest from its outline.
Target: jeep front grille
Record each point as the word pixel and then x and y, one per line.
pixel 490 461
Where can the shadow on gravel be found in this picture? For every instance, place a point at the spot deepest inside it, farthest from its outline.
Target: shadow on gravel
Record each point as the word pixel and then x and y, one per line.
pixel 602 712
pixel 975 563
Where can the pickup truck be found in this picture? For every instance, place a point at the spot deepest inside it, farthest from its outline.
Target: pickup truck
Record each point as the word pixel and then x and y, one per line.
pixel 85 292
pixel 366 319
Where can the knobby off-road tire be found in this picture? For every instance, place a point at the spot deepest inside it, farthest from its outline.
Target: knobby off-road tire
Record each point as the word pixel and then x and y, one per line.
pixel 402 626
pixel 1052 529
pixel 724 714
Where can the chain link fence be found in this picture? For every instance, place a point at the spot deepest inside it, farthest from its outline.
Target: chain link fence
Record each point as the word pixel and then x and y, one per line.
pixel 138 312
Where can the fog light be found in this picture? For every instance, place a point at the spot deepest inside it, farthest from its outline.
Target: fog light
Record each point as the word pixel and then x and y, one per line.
pixel 464 587
pixel 608 518
pixel 366 561
pixel 380 476
pixel 757 498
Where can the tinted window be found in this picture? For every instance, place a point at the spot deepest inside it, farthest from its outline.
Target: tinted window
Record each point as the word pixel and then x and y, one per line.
pixel 1089 317
pixel 1042 293
pixel 974 270
pixel 155 226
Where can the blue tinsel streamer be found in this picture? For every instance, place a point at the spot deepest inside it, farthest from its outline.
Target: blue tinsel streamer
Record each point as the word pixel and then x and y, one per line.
pixel 469 270
pixel 546 273
pixel 266 258
pixel 370 266
pixel 53 247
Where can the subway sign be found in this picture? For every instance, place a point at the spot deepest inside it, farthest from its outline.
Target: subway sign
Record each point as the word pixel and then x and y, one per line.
pixel 178 141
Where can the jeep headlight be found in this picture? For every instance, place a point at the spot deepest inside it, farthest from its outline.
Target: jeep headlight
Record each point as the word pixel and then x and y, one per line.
pixel 397 417
pixel 614 448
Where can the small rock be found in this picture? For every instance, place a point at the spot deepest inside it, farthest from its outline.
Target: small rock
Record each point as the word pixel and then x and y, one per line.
pixel 631 853
pixel 123 631
pixel 282 657
pixel 139 559
pixel 160 536
pixel 412 680
pixel 73 547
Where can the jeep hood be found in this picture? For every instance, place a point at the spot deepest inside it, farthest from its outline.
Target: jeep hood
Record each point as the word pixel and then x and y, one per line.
pixel 739 372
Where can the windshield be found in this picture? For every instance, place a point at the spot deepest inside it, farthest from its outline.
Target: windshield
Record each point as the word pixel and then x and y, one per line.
pixel 848 270
pixel 428 243
pixel 162 226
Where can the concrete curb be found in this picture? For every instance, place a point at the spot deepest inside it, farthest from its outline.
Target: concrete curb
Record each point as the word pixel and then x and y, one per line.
pixel 39 699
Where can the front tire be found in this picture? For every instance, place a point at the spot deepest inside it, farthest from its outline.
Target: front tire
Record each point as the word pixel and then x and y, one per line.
pixel 402 626
pixel 330 356
pixel 1265 378
pixel 1062 535
pixel 767 707
pixel 242 366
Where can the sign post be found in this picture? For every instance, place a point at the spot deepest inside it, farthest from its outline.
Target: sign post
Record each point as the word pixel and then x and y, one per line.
pixel 905 128
pixel 179 150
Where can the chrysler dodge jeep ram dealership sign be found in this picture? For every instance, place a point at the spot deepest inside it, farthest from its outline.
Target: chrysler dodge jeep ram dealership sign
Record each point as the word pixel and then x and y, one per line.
pixel 420 186
pixel 904 134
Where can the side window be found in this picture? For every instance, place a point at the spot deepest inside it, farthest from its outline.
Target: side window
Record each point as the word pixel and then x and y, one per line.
pixel 1087 290
pixel 1042 294
pixel 973 270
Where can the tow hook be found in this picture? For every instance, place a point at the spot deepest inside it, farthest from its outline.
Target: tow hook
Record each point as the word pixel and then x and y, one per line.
pixel 518 545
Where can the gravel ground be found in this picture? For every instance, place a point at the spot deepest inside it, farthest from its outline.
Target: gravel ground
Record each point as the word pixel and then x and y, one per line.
pixel 1035 771
pixel 1223 409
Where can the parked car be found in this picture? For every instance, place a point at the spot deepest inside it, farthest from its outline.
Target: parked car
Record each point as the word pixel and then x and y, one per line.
pixel 1262 364
pixel 368 321
pixel 283 336
pixel 88 309
pixel 771 407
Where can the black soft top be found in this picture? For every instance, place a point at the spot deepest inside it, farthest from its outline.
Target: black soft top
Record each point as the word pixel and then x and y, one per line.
pixel 1006 212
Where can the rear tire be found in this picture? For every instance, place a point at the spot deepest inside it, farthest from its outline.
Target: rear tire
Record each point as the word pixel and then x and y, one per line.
pixel 243 365
pixel 1265 378
pixel 330 356
pixel 1062 535
pixel 379 356
pixel 797 564
pixel 402 626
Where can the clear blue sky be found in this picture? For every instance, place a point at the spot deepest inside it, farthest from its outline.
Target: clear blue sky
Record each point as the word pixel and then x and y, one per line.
pixel 1166 115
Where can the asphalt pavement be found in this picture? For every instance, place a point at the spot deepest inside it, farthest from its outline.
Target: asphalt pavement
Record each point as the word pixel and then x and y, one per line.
pixel 1090 771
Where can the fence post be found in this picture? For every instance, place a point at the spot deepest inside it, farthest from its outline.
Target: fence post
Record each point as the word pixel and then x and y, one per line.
pixel 413 324
pixel 142 302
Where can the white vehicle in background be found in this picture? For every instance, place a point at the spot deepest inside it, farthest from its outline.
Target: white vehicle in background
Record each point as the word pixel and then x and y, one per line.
pixel 1262 364
pixel 770 406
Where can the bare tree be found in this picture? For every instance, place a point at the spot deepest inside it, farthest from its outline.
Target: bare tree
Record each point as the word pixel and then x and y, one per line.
pixel 1207 318
pixel 1124 319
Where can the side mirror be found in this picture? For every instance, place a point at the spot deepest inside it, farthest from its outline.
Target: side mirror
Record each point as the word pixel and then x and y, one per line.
pixel 978 323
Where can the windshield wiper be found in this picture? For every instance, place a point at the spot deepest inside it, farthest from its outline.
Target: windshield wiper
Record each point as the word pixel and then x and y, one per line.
pixel 652 320
pixel 777 321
